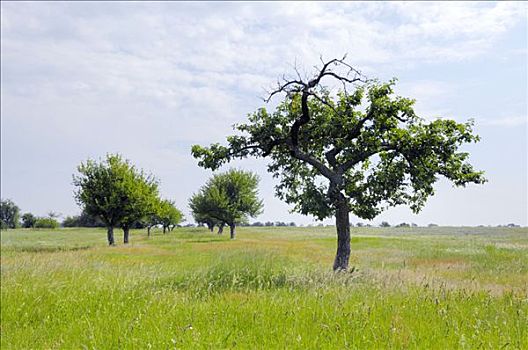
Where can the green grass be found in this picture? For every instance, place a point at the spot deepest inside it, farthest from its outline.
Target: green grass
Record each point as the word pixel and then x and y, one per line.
pixel 421 288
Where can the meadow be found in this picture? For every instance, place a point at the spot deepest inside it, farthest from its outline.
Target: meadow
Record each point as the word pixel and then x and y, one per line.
pixel 411 288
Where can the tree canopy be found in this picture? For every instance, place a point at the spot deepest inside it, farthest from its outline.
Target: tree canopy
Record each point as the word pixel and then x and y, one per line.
pixel 229 197
pixel 362 149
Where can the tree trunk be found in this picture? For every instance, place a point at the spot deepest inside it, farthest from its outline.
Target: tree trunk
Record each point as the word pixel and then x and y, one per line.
pixel 148 231
pixel 232 231
pixel 220 229
pixel 125 234
pixel 343 237
pixel 110 235
pixel 164 229
pixel 210 227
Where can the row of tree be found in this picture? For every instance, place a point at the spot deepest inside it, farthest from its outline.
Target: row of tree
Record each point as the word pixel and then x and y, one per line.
pixel 120 195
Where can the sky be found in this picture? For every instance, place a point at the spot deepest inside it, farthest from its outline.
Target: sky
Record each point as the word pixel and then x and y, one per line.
pixel 148 80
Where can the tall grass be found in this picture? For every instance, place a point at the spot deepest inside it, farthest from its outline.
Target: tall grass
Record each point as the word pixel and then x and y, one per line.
pixel 268 289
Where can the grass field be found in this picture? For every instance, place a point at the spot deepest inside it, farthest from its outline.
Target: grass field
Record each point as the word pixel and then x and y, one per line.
pixel 426 288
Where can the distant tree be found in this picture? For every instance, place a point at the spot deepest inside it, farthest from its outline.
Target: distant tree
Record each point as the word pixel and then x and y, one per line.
pixel 432 225
pixel 9 214
pixel 360 224
pixel 359 150
pixel 403 224
pixel 114 191
pixel 201 212
pixel 232 197
pixel 82 220
pixel 169 215
pixel 152 218
pixel 257 224
pixel 414 225
pixel 46 223
pixel 269 223
pixel 28 220
pixel 142 199
pixel 292 224
pixel 71 221
pixel 384 224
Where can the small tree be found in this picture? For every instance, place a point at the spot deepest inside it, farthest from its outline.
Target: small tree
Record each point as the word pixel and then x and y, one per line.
pixel 169 215
pixel 231 197
pixel 152 218
pixel 384 224
pixel 9 214
pixel 113 190
pixel 361 150
pixel 142 199
pixel 28 220
pixel 201 211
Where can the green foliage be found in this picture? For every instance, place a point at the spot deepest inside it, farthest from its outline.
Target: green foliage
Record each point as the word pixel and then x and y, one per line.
pixel 384 224
pixel 28 220
pixel 46 223
pixel 115 191
pixel 229 197
pixel 9 214
pixel 168 215
pixel 378 156
pixel 201 210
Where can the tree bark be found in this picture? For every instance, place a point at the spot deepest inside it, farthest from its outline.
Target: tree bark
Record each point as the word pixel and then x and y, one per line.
pixel 125 234
pixel 110 235
pixel 220 229
pixel 343 237
pixel 164 229
pixel 210 227
pixel 232 231
pixel 148 231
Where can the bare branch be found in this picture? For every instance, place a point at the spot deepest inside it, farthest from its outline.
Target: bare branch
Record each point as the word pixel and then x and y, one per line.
pixel 284 88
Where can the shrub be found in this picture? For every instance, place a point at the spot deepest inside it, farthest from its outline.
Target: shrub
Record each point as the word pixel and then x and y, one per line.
pixel 46 223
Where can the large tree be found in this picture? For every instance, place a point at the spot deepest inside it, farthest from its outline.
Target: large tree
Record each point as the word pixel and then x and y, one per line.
pixel 231 198
pixel 9 214
pixel 113 190
pixel 359 150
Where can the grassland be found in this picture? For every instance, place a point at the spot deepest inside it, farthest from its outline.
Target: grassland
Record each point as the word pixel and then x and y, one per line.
pixel 423 288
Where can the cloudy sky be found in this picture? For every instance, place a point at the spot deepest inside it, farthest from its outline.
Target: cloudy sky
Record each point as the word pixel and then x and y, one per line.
pixel 148 80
